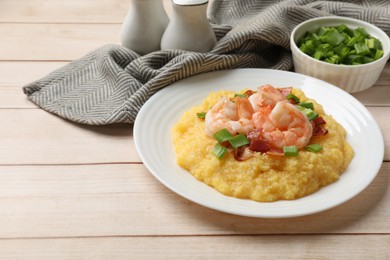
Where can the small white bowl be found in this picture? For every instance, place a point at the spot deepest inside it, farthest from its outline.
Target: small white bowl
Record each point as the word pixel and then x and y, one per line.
pixel 351 78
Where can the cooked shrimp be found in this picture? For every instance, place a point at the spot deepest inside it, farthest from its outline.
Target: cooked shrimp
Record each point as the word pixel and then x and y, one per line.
pixel 235 116
pixel 266 95
pixel 283 125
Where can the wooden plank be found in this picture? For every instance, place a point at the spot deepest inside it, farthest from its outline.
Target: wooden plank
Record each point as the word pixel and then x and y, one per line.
pixel 117 200
pixel 219 247
pixel 382 118
pixel 54 41
pixel 18 74
pixel 34 136
pixel 57 11
pixel 13 97
pixel 14 75
pixel 378 95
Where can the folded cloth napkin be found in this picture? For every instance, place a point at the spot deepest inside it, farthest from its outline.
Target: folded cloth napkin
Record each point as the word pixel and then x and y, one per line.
pixel 110 84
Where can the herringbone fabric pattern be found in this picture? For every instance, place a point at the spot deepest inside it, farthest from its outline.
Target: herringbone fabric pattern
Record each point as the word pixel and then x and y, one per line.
pixel 110 84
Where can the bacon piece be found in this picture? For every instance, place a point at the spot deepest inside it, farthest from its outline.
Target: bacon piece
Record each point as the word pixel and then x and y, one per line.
pixel 256 143
pixel 319 130
pixel 319 121
pixel 259 145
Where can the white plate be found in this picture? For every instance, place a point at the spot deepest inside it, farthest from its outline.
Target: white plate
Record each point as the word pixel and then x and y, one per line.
pixel 152 135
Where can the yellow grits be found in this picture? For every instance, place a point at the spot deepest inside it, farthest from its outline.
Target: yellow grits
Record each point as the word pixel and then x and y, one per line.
pixel 262 177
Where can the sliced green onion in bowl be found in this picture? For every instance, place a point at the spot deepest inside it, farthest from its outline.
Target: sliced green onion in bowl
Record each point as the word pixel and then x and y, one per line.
pixel 333 37
pixel 341 45
pixel 378 54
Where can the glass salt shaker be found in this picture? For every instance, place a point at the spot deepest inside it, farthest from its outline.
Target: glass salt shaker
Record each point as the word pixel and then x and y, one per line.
pixel 144 26
pixel 189 28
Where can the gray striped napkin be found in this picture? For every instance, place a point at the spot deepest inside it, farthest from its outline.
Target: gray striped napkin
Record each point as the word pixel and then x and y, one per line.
pixel 110 84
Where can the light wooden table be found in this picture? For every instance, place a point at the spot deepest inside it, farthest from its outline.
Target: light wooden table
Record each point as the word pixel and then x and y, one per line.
pixel 75 191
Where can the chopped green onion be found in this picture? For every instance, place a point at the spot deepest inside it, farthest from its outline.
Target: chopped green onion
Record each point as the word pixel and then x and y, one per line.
pixel 341 45
pixel 333 37
pixel 334 59
pixel 351 41
pixel 307 105
pixel 238 141
pixel 240 95
pixel 222 135
pixel 311 114
pixel 201 115
pixel 315 148
pixel 308 47
pixel 354 59
pixel 361 48
pixel 370 43
pixel 342 28
pixel 293 97
pixel 290 150
pixel 367 59
pixel 341 51
pixel 378 54
pixel 219 151
pixel 361 31
pixel 317 55
pixel 321 31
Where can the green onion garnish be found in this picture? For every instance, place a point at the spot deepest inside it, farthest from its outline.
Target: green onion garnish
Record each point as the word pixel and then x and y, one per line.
pixel 238 141
pixel 219 151
pixel 240 95
pixel 311 114
pixel 201 115
pixel 341 45
pixel 293 97
pixel 222 135
pixel 290 150
pixel 315 148
pixel 307 105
